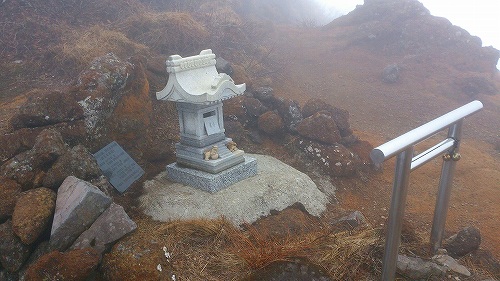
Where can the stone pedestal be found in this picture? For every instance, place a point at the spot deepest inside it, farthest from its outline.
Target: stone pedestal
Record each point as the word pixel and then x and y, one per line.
pixel 213 182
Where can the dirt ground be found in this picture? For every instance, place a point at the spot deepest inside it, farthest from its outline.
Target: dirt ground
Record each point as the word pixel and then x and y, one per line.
pixel 320 67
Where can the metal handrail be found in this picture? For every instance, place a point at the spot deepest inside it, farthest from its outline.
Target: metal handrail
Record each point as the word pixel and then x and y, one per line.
pixel 402 146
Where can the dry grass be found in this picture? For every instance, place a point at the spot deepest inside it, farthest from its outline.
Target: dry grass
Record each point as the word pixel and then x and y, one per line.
pixel 80 46
pixel 167 33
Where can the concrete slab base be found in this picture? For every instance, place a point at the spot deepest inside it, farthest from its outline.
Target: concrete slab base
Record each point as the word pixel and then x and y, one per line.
pixel 212 182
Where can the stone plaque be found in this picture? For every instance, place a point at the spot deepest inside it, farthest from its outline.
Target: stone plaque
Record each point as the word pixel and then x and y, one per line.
pixel 120 169
pixel 211 125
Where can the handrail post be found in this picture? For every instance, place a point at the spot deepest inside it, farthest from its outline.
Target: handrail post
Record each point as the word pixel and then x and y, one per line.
pixel 398 203
pixel 445 185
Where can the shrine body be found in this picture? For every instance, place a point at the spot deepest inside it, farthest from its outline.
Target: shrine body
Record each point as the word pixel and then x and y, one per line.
pixel 198 91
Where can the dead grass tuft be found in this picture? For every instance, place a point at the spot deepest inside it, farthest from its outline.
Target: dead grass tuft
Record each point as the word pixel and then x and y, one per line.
pixel 80 46
pixel 167 33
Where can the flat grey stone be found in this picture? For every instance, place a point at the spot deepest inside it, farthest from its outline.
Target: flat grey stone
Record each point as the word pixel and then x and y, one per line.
pixel 111 225
pixel 353 220
pixel 451 264
pixel 275 187
pixel 417 268
pixel 78 205
pixel 212 182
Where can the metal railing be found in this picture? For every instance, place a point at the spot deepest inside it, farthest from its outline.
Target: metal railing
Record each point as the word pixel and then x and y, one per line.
pixel 402 146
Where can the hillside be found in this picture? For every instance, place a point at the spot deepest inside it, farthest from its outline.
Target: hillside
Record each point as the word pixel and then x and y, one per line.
pixel 383 69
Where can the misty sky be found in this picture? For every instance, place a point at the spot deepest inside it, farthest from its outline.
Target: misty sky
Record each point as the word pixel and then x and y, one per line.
pixel 479 17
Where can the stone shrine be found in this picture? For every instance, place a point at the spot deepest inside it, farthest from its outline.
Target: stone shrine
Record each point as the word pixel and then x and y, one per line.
pixel 206 158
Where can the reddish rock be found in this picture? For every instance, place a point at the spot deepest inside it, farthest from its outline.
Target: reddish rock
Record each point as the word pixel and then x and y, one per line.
pixel 13 253
pixel 235 130
pixel 45 108
pixel 27 167
pixel 33 214
pixel 340 116
pixel 17 142
pixel 319 127
pixel 363 150
pixel 313 106
pixel 336 159
pixel 9 192
pixel 271 123
pixel 76 162
pixel 48 146
pixel 73 265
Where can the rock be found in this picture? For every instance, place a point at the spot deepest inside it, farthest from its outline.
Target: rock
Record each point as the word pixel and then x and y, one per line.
pixel 21 170
pixel 33 213
pixel 8 276
pixel 48 146
pixel 110 226
pixel 275 187
pixel 472 86
pixel 234 110
pixel 451 264
pixel 464 242
pixel 295 269
pixel 352 220
pixel 223 66
pixel 16 142
pixel 46 108
pixel 265 95
pixel 73 265
pixel 336 160
pixel 13 253
pixel 340 116
pixel 76 162
pixel 9 192
pixel 391 73
pixel 99 90
pixel 254 107
pixel 289 111
pixel 271 123
pixel 416 268
pixel 362 149
pixel 485 260
pixel 78 205
pixel 319 127
pixel 314 106
pixel 235 131
pixel 27 167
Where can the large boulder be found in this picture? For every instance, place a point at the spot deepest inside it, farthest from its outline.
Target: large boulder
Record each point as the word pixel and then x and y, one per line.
pixel 76 162
pixel 72 265
pixel 114 96
pixel 47 108
pixel 464 242
pixel 10 190
pixel 319 127
pixel 13 253
pixel 33 214
pixel 254 108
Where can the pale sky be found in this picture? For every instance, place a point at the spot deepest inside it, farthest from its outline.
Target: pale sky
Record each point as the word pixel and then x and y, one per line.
pixel 479 17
